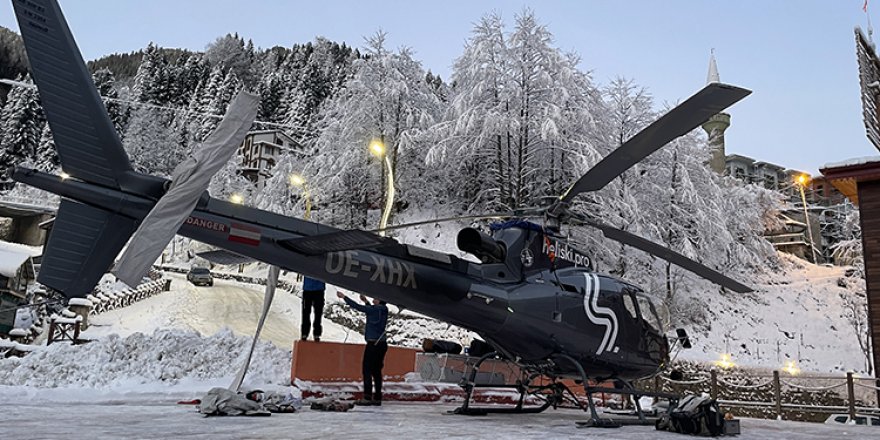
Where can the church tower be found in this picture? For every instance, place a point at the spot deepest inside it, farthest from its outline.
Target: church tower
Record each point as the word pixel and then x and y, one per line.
pixel 716 125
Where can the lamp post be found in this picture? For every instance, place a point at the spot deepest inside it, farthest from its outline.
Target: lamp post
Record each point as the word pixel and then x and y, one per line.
pixel 377 148
pixel 802 181
pixel 299 182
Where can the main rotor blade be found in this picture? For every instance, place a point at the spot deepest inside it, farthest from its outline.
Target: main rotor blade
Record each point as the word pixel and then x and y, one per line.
pixel 524 213
pixel 677 122
pixel 85 138
pixel 189 181
pixel 670 256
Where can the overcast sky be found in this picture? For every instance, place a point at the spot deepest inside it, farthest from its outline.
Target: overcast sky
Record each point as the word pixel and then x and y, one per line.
pixel 798 56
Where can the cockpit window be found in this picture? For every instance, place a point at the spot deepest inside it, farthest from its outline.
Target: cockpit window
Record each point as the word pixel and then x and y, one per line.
pixel 630 305
pixel 649 314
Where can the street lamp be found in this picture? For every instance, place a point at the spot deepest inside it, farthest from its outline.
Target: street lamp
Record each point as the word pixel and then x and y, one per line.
pixel 725 361
pixel 377 148
pixel 299 182
pixel 802 182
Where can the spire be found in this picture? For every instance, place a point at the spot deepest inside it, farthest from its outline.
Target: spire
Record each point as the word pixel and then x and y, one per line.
pixel 713 76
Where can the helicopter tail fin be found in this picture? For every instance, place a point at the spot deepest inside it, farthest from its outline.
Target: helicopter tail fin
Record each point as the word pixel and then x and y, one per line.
pixel 84 239
pixel 87 142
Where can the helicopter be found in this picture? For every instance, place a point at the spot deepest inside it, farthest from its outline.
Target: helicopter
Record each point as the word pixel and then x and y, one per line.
pixel 538 301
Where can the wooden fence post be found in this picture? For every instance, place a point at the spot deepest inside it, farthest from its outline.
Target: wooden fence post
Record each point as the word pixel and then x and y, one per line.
pixel 75 333
pixel 777 394
pixel 51 332
pixel 713 384
pixel 850 395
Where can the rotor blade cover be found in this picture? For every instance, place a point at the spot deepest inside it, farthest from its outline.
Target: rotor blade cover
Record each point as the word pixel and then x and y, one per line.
pixel 670 256
pixel 679 121
pixel 189 181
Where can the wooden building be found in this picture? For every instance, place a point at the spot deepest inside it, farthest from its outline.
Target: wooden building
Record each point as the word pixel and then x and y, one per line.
pixel 16 274
pixel 859 180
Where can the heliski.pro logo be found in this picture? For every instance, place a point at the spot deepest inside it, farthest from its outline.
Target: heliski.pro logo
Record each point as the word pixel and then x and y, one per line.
pixel 600 315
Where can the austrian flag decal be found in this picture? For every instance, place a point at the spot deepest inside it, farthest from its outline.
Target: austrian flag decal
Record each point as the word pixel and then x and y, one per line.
pixel 240 233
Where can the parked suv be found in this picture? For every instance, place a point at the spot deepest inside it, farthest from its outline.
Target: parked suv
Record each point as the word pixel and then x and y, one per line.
pixel 861 419
pixel 200 276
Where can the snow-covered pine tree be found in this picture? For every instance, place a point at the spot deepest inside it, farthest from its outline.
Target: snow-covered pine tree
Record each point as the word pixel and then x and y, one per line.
pixel 118 112
pixel 21 122
pixel 271 92
pixel 848 249
pixel 520 113
pixel 229 181
pixel 388 100
pixel 472 139
pixel 280 195
pixel 232 54
pixel 47 155
pixel 151 141
pixel 150 76
pixel 628 109
pixel 218 96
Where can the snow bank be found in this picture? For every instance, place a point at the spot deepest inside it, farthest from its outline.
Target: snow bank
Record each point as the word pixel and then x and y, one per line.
pixel 165 357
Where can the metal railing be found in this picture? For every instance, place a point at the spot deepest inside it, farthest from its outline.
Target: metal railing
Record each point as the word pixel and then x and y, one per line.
pixel 780 395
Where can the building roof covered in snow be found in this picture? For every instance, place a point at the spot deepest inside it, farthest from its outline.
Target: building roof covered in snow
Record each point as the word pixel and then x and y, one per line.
pixel 14 255
pixel 845 175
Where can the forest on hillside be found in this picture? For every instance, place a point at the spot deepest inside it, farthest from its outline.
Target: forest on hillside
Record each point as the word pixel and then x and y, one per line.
pixel 516 122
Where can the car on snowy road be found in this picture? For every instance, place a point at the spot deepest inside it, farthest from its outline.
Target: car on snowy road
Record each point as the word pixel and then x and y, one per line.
pixel 200 276
pixel 860 419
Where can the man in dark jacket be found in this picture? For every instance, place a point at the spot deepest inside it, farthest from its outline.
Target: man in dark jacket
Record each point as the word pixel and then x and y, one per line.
pixel 313 298
pixel 374 352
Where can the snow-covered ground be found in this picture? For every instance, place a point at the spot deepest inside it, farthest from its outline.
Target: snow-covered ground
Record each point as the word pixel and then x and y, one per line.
pixel 228 304
pixel 796 315
pixel 177 345
pixel 149 419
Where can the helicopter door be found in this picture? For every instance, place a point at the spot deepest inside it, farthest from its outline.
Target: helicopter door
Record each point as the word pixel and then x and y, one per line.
pixel 630 334
pixel 654 343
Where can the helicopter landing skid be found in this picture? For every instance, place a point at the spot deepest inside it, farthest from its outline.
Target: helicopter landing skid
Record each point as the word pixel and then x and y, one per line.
pixel 553 394
pixel 596 422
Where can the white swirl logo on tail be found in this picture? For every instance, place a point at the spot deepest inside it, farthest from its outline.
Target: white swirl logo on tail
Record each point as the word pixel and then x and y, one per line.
pixel 600 315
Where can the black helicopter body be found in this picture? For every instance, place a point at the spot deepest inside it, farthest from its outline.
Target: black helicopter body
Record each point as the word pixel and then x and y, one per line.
pixel 535 299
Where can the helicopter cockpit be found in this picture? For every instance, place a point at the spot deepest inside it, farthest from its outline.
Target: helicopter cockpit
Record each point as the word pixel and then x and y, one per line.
pixel 637 323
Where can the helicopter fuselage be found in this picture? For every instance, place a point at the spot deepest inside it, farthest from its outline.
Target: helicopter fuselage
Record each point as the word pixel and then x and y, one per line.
pixel 529 312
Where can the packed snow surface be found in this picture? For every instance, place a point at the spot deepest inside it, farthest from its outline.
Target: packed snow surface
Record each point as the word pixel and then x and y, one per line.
pixel 164 357
pixel 148 420
pixel 228 304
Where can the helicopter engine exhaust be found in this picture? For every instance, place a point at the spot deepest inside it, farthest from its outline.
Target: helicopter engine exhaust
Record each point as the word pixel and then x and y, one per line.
pixel 484 247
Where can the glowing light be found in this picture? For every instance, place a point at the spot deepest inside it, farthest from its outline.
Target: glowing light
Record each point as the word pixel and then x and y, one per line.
pixel 377 148
pixel 726 362
pixel 300 182
pixel 803 179
pixel 297 180
pixel 64 176
pixel 791 368
pixel 237 199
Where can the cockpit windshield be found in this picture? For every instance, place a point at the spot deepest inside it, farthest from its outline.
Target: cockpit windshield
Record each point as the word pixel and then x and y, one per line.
pixel 649 313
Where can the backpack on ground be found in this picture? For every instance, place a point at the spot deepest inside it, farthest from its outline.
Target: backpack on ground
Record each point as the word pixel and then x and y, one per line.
pixel 696 415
